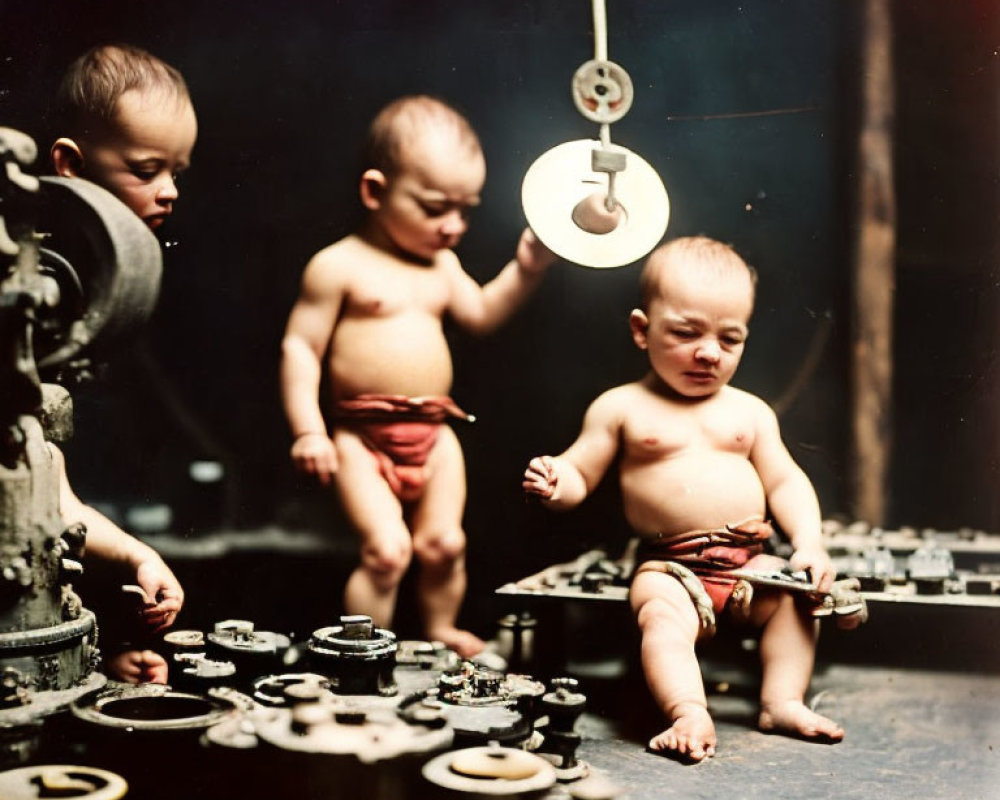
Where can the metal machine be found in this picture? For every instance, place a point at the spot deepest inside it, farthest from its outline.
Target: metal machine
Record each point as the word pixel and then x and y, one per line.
pixel 77 270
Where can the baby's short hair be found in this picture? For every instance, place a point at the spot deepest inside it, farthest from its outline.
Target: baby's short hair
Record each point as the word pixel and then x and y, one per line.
pixel 406 119
pixel 702 252
pixel 94 82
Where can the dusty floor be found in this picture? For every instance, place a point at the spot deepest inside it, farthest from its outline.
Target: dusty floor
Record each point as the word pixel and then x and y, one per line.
pixel 910 734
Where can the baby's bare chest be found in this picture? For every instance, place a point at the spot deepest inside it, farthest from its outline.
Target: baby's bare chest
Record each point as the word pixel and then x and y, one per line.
pixel 655 437
pixel 386 292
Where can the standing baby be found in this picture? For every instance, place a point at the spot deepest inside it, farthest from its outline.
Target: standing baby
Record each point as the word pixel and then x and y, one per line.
pixel 370 314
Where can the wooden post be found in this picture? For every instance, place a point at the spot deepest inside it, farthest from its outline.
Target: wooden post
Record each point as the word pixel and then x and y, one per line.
pixel 873 261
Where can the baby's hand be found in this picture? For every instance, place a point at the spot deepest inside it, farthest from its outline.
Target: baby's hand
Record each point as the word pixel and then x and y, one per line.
pixel 314 454
pixel 166 597
pixel 532 255
pixel 816 562
pixel 540 477
pixel 137 666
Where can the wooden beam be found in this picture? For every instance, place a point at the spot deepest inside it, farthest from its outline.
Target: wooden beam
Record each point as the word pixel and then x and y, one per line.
pixel 873 269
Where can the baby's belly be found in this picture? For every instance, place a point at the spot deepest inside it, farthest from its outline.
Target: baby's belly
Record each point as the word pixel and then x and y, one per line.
pixel 690 491
pixel 405 355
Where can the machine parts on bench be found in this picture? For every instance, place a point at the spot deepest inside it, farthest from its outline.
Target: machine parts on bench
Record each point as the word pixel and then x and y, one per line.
pixel 482 704
pixel 562 706
pixel 357 657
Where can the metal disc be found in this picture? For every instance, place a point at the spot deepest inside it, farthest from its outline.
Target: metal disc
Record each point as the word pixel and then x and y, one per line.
pixel 561 177
pixel 61 780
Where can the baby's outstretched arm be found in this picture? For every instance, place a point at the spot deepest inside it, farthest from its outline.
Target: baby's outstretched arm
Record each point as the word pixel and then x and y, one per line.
pixel 792 500
pixel 107 541
pixel 563 481
pixel 307 336
pixel 483 309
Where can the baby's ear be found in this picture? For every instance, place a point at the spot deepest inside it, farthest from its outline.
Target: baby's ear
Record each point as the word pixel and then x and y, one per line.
pixel 373 184
pixel 67 158
pixel 638 323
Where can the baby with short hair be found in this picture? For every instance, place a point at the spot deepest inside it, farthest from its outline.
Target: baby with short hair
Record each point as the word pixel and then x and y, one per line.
pixel 370 315
pixel 126 123
pixel 700 463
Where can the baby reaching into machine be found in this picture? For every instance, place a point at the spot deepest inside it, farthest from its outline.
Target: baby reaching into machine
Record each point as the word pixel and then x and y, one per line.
pixel 126 123
pixel 700 464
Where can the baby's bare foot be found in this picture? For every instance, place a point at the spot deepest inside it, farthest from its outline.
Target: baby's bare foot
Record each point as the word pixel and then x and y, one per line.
pixel 465 643
pixel 794 718
pixel 691 736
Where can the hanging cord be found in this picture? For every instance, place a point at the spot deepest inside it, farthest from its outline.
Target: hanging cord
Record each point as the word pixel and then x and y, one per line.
pixel 601 54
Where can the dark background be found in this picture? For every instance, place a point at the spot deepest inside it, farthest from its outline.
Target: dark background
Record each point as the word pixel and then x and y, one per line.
pixel 747 109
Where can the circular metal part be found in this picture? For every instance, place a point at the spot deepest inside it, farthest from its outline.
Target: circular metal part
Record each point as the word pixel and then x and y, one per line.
pixel 562 177
pixel 284 690
pixel 357 657
pixel 253 653
pixel 482 770
pixel 61 780
pixel 264 643
pixel 185 640
pixel 199 674
pixel 334 728
pixel 602 91
pixel 152 708
pixel 54 660
pixel 107 264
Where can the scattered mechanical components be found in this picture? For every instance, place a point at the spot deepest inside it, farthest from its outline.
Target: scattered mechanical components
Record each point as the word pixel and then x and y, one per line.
pixel 563 706
pixel 483 705
pixel 340 726
pixel 61 780
pixel 152 707
pixel 357 657
pixel 473 686
pixel 194 672
pixel 490 770
pixel 911 565
pixel 254 653
pixel 592 574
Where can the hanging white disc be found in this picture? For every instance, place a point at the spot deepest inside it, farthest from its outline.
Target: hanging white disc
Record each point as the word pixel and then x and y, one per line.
pixel 563 176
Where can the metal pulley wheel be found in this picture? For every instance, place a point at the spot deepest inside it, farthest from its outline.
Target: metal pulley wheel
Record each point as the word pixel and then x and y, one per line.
pixel 107 265
pixel 602 91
